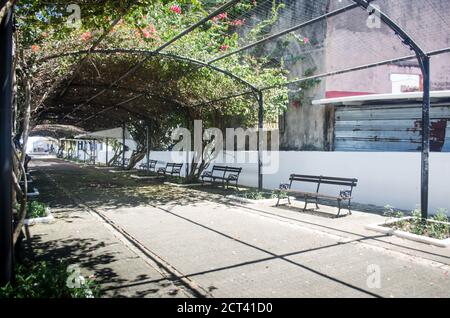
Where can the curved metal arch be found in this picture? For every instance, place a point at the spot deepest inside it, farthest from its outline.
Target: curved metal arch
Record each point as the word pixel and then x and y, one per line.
pixel 156 53
pixel 424 61
pixel 407 39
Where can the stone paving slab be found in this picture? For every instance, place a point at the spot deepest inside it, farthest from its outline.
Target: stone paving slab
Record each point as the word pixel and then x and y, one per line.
pixel 233 250
pixel 226 243
pixel 80 238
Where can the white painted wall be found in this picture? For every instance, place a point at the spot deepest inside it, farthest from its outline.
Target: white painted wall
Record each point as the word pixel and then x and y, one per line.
pixel 384 177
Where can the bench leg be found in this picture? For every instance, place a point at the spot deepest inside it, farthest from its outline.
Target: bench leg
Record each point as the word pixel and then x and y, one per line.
pixel 350 207
pixel 339 206
pixel 317 204
pixel 306 203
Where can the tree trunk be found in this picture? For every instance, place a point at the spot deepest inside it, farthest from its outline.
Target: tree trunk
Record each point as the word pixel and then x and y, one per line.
pixel 117 154
pixel 136 157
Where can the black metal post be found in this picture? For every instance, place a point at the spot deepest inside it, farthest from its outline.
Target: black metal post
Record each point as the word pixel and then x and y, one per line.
pixel 6 220
pixel 425 136
pixel 260 138
pixel 106 159
pixel 148 147
pixel 123 145
pixel 95 150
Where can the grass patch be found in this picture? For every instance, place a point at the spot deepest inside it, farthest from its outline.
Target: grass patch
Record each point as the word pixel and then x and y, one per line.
pixel 44 280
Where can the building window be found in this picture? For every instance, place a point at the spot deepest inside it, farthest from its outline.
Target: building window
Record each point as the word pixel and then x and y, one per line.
pixel 405 83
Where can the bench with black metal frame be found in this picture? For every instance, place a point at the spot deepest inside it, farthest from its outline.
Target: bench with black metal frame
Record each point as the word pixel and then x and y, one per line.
pixel 151 165
pixel 171 169
pixel 223 175
pixel 344 195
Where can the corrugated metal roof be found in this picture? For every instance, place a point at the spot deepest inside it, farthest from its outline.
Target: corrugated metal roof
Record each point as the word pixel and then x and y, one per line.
pixel 382 98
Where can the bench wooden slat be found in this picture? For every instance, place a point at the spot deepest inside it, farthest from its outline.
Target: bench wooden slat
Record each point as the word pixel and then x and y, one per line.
pixel 312 194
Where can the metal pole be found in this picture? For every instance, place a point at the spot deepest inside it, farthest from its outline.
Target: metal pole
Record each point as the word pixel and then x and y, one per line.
pixel 123 145
pixel 260 138
pixel 425 136
pixel 106 160
pixel 6 220
pixel 95 150
pixel 148 147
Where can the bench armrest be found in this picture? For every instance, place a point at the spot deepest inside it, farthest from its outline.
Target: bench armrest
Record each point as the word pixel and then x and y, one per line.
pixel 285 186
pixel 345 194
pixel 232 177
pixel 207 174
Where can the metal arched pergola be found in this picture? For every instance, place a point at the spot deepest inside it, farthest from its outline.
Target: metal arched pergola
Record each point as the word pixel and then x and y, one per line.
pixel 6 34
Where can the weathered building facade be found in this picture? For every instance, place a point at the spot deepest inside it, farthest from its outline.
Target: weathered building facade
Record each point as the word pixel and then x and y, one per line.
pixel 348 41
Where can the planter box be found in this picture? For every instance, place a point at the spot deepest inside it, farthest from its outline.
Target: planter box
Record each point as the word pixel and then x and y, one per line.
pixel 34 194
pixel 44 220
pixel 381 228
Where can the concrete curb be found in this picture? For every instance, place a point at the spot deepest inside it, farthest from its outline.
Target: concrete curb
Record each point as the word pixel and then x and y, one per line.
pixel 43 220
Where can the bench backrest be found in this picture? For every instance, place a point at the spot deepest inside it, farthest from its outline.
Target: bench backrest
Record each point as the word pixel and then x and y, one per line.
pixel 173 166
pixel 226 170
pixel 151 163
pixel 346 182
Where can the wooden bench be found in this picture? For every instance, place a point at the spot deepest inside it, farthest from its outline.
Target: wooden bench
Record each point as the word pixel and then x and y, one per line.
pixel 222 174
pixel 151 165
pixel 171 169
pixel 344 194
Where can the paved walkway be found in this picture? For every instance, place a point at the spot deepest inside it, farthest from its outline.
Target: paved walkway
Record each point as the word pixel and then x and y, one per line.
pixel 143 238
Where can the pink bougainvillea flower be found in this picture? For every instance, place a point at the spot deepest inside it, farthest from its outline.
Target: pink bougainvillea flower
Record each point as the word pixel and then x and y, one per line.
pixel 237 22
pixel 306 40
pixel 35 48
pixel 220 16
pixel 224 47
pixel 152 29
pixel 146 34
pixel 175 9
pixel 86 36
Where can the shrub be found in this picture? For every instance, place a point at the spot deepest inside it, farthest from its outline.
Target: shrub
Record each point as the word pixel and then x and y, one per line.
pixel 44 280
pixel 36 210
pixel 439 230
pixel 254 194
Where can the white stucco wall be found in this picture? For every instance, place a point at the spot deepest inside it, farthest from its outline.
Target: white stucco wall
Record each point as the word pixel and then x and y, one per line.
pixel 384 177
